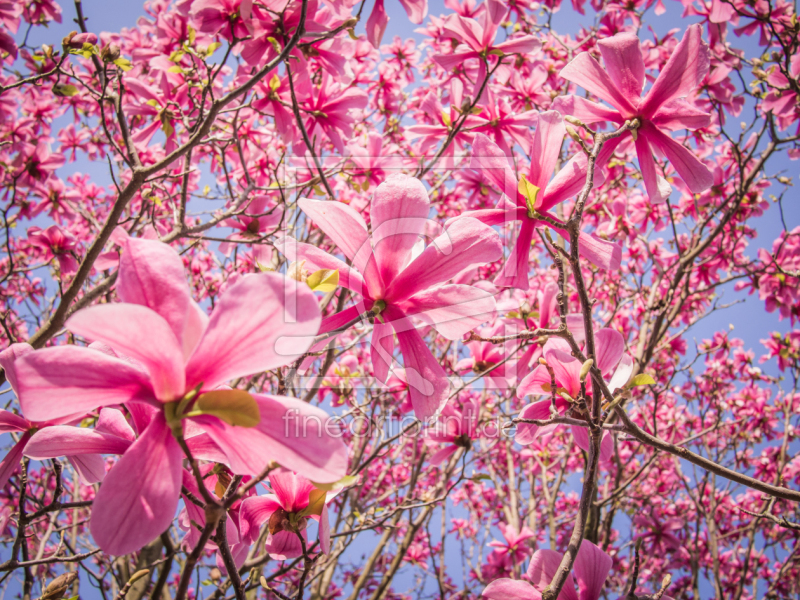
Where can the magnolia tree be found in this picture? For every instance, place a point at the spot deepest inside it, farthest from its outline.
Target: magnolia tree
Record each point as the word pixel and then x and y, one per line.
pixel 339 316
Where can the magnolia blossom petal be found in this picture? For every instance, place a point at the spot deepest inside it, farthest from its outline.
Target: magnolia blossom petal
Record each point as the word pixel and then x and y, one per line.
pixel 528 432
pixel 697 176
pixel 7 359
pixel 91 468
pixel 11 422
pixel 465 243
pixel 583 441
pixel 376 23
pixel 63 440
pixel 381 349
pixel 11 460
pixel 416 10
pixel 253 513
pixel 292 491
pixel 681 114
pixel 609 346
pixel 262 322
pixel 622 374
pixel 284 545
pixel 515 270
pixel 542 570
pixel 491 162
pixel 545 150
pixel 569 181
pixel 139 496
pixel 342 224
pixel 399 213
pixel 427 381
pixel 624 63
pixel 586 72
pixel 291 432
pixel 70 380
pixel 658 188
pixel 510 589
pixel 151 274
pixel 317 259
pixel 140 333
pixel 602 253
pixel 452 310
pixel 592 566
pixel 687 66
pixel 587 111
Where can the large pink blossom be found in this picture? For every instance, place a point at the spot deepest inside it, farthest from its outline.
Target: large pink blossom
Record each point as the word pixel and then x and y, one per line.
pixel 174 353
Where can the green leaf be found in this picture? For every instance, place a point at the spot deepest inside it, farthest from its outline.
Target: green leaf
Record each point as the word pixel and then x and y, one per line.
pixel 530 191
pixel 324 280
pixel 235 407
pixel 480 477
pixel 64 89
pixel 642 379
pixel 124 64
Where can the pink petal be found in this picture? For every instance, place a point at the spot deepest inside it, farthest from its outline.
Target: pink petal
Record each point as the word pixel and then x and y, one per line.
pixel 399 213
pixel 546 149
pixel 325 531
pixel 465 243
pixel 569 181
pixel 138 499
pixel 151 274
pixel 343 225
pixel 587 73
pixel 543 567
pixel 658 188
pixel 510 589
pixel 609 346
pixel 63 440
pixel 602 253
pixel 452 310
pixel 381 349
pixel 427 381
pixel 442 454
pixel 262 322
pixel 566 369
pixel 297 436
pixel 519 45
pixel 8 357
pixel 11 422
pixel 70 380
pixel 284 545
pixel 695 173
pixel 253 513
pixel 686 68
pixel 493 216
pixel 292 490
pixel 622 374
pixel 140 333
pixel 416 10
pixel 111 420
pixel 624 63
pixel 527 433
pixel 587 111
pixel 491 162
pixel 515 270
pixel 91 468
pixel 592 566
pixel 681 114
pixel 11 460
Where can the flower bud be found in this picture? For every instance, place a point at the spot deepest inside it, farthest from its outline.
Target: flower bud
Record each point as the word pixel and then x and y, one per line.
pixel 110 53
pixel 297 271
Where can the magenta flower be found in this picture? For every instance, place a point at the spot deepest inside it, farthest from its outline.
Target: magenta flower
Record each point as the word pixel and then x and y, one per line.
pixel 591 570
pixel 513 549
pixel 477 37
pixel 611 361
pixel 455 429
pixel 294 500
pixel 57 244
pixel 490 160
pixel 378 19
pixel 663 108
pixel 396 285
pixel 176 360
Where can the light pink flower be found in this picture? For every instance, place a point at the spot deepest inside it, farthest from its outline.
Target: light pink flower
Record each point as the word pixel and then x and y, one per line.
pixel 174 352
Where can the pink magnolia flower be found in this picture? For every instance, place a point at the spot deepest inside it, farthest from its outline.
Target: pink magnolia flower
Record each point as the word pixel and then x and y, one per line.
pixel 57 244
pixel 455 428
pixel 513 549
pixel 176 360
pixel 397 285
pixel 611 361
pixel 478 39
pixel 489 160
pixel 591 570
pixel 294 500
pixel 663 108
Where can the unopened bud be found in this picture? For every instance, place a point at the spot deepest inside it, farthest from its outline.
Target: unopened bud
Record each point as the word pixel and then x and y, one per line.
pixel 573 134
pixel 759 74
pixel 110 53
pixel 58 587
pixel 585 368
pixel 757 62
pixel 215 574
pixel 77 40
pixel 574 120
